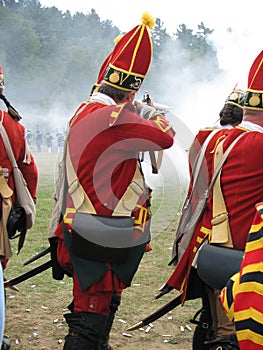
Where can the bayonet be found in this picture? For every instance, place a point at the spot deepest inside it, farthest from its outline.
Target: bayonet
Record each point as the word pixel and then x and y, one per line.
pixel 195 290
pixel 25 276
pixel 157 314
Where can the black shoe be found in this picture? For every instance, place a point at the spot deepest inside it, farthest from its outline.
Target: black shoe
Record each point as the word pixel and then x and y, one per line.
pixel 6 345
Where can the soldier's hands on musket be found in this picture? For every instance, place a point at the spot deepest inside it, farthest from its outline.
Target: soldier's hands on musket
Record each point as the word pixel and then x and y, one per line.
pixel 143 109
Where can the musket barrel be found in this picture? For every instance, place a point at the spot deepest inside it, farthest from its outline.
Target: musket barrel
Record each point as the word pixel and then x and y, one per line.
pixel 37 256
pixel 25 276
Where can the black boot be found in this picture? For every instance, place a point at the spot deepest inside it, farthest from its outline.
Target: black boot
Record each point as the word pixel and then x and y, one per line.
pixel 203 330
pixel 85 330
pixel 6 345
pixel 115 302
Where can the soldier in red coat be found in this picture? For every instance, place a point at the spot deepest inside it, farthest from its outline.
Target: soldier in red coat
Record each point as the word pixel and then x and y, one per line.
pixel 185 247
pixel 240 184
pixel 24 158
pixel 105 179
pixel 25 161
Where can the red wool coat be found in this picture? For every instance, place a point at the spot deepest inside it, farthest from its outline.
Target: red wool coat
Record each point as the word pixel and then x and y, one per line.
pixel 104 143
pixel 16 134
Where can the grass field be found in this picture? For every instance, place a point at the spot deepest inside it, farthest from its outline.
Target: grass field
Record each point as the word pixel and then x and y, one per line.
pixel 34 316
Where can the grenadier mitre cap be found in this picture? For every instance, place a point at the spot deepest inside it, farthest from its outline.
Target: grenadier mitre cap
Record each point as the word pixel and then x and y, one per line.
pixel 103 68
pixel 254 94
pixel 105 64
pixel 131 57
pixel 236 97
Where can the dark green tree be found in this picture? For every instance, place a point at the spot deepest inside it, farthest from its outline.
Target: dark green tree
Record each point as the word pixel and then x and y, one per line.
pixel 160 38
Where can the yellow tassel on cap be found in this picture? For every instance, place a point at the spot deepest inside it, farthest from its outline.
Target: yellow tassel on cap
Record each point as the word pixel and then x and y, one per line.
pixel 148 20
pixel 117 39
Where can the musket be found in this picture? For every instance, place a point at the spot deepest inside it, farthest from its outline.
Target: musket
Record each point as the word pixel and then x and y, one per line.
pixel 11 110
pixel 25 276
pixel 163 109
pixel 157 314
pixel 37 256
pixel 195 290
pixel 153 162
pixel 12 287
pixel 158 106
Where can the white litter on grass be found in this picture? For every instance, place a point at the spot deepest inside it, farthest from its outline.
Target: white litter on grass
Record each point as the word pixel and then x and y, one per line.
pixel 182 328
pixel 17 341
pixel 166 335
pixel 127 335
pixel 122 321
pixel 55 321
pixel 170 318
pixel 44 307
pixel 188 327
pixel 33 286
pixel 147 330
pixel 136 284
pixel 28 310
pixel 60 341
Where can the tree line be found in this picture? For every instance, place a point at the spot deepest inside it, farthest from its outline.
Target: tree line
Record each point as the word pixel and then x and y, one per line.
pixel 52 58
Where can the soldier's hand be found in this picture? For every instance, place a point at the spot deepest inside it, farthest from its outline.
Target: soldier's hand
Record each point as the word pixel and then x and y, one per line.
pixel 143 109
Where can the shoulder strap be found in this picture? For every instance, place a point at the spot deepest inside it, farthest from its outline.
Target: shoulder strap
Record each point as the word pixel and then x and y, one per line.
pixel 187 224
pixel 7 144
pixel 130 198
pixel 221 233
pixel 200 157
pixel 220 223
pixel 195 172
pixel 80 199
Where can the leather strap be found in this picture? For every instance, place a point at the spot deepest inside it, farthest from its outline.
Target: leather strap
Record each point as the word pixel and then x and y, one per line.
pixel 200 157
pixel 221 233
